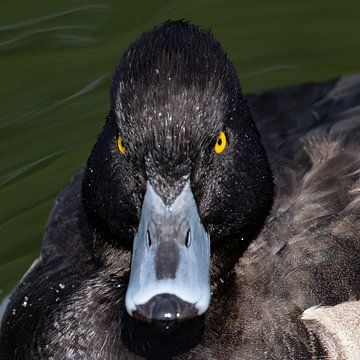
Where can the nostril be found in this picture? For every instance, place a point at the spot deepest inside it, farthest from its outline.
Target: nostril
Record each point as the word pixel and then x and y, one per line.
pixel 148 238
pixel 188 239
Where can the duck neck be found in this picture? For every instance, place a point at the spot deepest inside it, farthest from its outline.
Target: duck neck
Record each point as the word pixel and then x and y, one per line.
pixel 146 339
pixel 226 253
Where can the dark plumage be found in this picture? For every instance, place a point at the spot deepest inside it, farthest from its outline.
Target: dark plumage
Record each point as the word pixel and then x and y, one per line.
pixel 172 93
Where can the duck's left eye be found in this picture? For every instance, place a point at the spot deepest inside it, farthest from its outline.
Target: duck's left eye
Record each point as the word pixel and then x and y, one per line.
pixel 220 143
pixel 121 145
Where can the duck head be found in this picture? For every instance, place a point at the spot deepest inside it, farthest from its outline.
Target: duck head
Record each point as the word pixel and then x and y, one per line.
pixel 178 174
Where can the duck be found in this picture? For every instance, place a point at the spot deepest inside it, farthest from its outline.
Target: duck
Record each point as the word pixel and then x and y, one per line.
pixel 205 224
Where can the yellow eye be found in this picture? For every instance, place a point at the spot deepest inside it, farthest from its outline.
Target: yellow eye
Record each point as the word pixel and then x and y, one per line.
pixel 220 143
pixel 121 145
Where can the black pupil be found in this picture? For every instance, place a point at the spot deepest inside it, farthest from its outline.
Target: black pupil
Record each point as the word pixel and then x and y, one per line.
pixel 219 142
pixel 122 144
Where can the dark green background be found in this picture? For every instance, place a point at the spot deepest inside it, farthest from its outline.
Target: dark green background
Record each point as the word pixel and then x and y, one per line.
pixel 56 60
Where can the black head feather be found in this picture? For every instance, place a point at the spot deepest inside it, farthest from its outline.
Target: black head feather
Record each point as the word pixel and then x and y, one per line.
pixel 172 93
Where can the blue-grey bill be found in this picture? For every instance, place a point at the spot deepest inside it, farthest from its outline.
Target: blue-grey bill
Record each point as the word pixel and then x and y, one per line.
pixel 170 269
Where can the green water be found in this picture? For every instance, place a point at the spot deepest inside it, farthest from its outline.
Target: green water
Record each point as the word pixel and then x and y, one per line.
pixel 56 60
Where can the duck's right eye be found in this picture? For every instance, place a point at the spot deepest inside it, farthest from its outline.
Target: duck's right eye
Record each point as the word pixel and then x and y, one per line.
pixel 220 143
pixel 121 145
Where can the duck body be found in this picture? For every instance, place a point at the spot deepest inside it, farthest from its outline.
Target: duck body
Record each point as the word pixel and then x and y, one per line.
pixel 71 304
